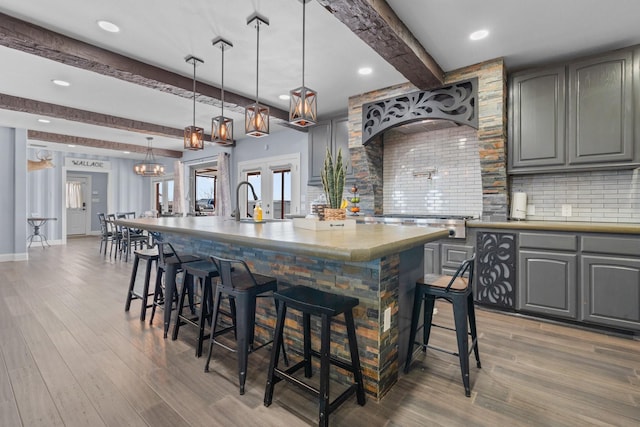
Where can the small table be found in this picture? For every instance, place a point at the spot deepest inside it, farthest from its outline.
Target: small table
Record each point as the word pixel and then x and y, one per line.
pixel 36 223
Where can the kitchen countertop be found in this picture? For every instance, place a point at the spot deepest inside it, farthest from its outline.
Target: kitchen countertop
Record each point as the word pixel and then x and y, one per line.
pixel 591 227
pixel 364 243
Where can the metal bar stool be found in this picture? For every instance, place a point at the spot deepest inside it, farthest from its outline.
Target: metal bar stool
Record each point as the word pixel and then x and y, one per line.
pixel 150 256
pixel 457 290
pixel 326 305
pixel 170 264
pixel 238 282
pixel 201 272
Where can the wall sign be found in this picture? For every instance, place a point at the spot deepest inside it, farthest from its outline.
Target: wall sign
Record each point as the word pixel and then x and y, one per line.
pixel 87 164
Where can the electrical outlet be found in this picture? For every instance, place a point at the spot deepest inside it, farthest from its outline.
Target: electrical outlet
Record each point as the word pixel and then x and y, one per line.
pixel 566 210
pixel 387 320
pixel 531 209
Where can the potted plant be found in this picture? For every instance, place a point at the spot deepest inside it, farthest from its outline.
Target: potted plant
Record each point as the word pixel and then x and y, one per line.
pixel 333 179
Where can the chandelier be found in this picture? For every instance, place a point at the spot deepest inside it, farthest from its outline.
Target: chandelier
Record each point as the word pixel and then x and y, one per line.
pixel 194 136
pixel 256 116
pixel 221 126
pixel 303 101
pixel 149 167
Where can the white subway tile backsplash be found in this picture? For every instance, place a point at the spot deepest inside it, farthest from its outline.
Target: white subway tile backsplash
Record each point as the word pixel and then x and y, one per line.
pixel 454 189
pixel 599 196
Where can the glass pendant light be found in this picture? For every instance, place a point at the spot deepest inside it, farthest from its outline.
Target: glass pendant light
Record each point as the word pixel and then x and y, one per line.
pixel 149 167
pixel 221 126
pixel 194 136
pixel 303 101
pixel 256 116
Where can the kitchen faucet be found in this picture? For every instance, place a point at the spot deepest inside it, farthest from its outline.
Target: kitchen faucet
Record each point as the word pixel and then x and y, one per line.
pixel 236 213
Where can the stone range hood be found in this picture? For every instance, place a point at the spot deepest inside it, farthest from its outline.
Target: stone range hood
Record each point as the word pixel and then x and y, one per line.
pixel 490 117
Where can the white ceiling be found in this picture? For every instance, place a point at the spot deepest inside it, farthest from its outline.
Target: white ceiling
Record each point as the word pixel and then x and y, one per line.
pixel 164 32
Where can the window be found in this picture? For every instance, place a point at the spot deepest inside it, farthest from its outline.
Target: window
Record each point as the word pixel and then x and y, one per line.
pixel 277 184
pixel 206 185
pixel 163 196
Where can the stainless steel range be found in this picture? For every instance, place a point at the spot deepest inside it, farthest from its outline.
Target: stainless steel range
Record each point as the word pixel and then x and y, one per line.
pixel 455 224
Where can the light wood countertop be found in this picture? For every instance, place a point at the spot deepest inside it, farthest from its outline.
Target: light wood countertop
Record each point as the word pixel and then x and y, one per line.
pixel 364 243
pixel 588 227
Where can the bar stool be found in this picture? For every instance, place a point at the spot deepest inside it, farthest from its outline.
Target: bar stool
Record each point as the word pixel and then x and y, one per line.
pixel 170 264
pixel 326 305
pixel 239 283
pixel 150 256
pixel 201 272
pixel 457 290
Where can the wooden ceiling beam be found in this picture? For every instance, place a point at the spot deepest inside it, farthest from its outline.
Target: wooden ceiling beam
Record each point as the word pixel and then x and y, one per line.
pixel 378 25
pixel 35 40
pixel 25 105
pixel 59 138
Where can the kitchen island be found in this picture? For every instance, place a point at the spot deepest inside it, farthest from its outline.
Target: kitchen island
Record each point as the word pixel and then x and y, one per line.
pixel 376 263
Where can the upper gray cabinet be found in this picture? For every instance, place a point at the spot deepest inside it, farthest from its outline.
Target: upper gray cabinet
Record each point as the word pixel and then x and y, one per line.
pixel 601 109
pixel 576 116
pixel 332 134
pixel 537 117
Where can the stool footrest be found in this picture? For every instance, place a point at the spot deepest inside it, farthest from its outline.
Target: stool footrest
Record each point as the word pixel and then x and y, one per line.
pixel 335 361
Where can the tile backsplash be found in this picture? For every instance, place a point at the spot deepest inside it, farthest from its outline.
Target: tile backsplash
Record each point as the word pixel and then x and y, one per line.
pixel 599 196
pixel 432 173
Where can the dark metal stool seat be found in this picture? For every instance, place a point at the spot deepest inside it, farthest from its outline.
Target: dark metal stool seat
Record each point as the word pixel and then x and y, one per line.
pixel 326 305
pixel 170 264
pixel 150 256
pixel 457 290
pixel 238 282
pixel 204 271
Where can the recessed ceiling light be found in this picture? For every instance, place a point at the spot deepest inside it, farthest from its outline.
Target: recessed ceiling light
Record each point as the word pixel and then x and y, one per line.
pixel 127 152
pixel 44 121
pixel 365 71
pixel 284 97
pixel 61 82
pixel 109 26
pixel 71 146
pixel 479 35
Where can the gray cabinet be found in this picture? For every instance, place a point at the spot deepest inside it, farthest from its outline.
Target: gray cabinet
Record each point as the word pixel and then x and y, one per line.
pixel 537 118
pixel 576 116
pixel 611 281
pixel 332 134
pixel 547 283
pixel 547 274
pixel 445 256
pixel 601 109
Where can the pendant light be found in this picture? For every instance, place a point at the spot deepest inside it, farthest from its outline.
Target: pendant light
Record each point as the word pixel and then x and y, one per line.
pixel 221 126
pixel 194 136
pixel 149 167
pixel 303 101
pixel 256 116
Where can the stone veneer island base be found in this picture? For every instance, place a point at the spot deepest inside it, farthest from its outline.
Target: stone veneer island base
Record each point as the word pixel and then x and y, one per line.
pixel 376 263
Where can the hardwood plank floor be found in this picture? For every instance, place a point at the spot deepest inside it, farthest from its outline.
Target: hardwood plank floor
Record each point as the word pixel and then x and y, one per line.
pixel 71 356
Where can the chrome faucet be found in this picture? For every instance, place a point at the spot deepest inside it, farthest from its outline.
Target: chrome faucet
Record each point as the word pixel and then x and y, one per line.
pixel 236 213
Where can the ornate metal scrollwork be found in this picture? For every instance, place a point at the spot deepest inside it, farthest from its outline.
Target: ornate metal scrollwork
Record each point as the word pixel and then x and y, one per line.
pixel 456 103
pixel 496 273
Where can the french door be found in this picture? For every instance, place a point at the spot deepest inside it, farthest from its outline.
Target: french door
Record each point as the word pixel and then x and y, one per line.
pixel 276 181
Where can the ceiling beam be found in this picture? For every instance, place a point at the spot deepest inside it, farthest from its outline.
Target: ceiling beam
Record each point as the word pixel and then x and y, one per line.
pixel 378 25
pixel 25 105
pixel 35 40
pixel 59 138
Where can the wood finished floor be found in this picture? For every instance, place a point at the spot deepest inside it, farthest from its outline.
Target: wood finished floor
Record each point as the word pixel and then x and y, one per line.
pixel 71 356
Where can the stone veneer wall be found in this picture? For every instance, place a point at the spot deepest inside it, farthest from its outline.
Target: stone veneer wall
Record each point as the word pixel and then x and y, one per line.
pixel 374 283
pixel 492 96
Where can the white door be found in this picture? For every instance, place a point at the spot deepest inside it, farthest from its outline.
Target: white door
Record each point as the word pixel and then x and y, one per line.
pixel 78 198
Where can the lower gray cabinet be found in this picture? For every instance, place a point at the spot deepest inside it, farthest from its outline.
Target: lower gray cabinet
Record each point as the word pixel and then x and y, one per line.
pixel 432 258
pixel 547 283
pixel 611 291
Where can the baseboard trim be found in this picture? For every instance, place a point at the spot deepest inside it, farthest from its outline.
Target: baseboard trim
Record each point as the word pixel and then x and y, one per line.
pixel 14 257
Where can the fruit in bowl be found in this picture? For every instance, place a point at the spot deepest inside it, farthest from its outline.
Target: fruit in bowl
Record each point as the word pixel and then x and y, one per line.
pixel 355 209
pixel 355 200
